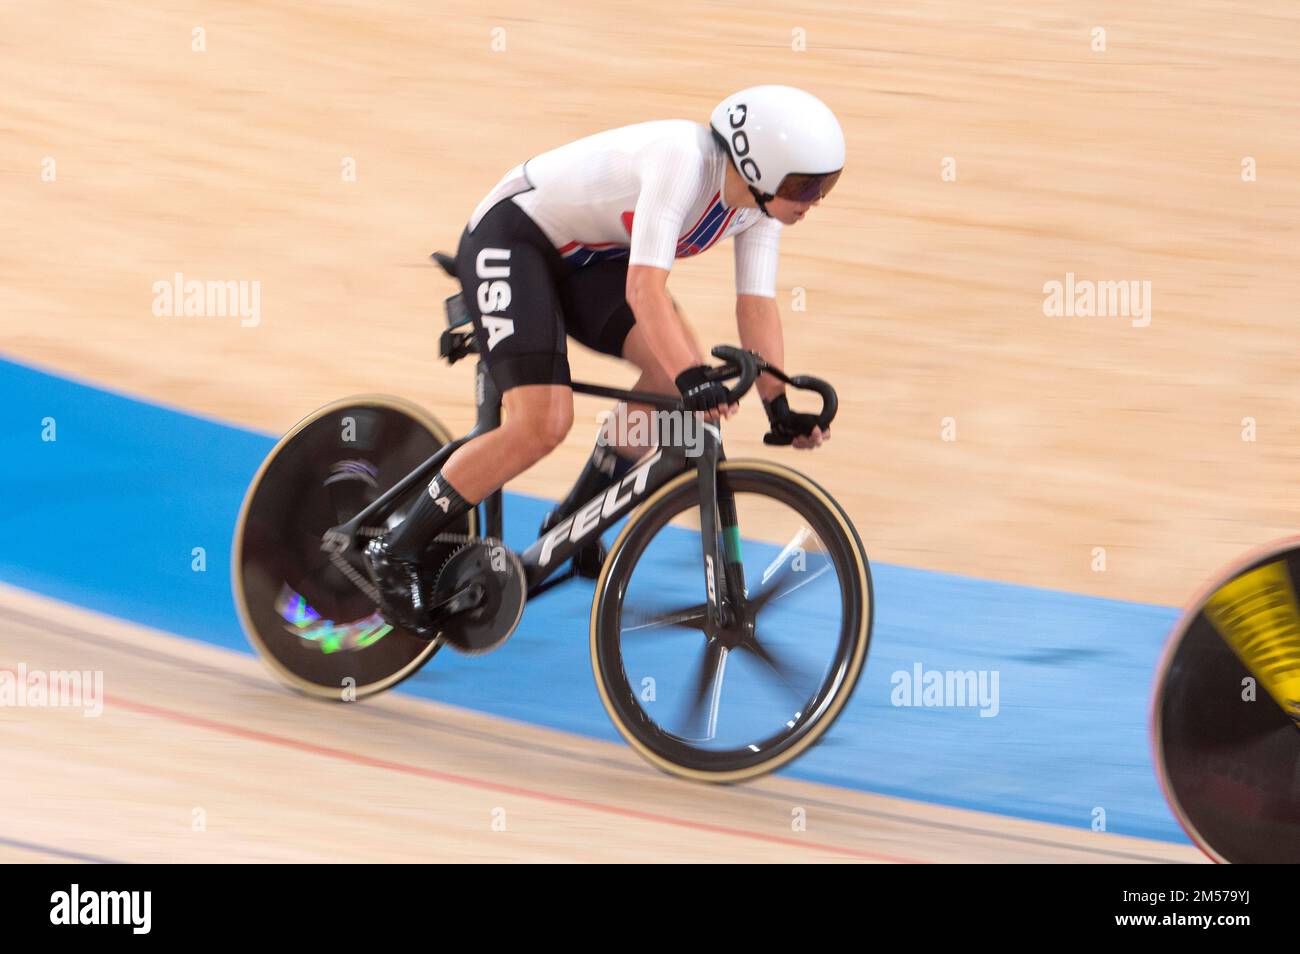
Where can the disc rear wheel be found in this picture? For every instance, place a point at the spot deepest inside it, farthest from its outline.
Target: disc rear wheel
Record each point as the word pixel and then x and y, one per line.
pixel 310 614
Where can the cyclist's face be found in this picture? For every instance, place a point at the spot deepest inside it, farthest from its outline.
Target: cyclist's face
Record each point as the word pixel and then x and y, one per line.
pixel 788 211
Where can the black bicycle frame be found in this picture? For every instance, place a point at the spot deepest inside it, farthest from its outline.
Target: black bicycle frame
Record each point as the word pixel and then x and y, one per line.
pixel 554 548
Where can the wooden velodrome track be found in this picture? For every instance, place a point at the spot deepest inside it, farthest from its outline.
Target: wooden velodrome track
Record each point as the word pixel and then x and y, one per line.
pixel 189 729
pixel 923 302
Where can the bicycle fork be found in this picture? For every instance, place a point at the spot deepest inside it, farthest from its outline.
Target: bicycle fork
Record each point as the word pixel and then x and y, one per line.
pixel 720 538
pixel 726 621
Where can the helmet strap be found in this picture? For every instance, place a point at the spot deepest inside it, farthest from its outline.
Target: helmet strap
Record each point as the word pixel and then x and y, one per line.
pixel 762 200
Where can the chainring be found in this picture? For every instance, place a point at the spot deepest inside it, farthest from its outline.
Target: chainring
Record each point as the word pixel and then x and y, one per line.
pixel 494 567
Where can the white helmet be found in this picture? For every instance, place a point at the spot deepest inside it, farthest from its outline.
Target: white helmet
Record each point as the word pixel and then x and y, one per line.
pixel 783 141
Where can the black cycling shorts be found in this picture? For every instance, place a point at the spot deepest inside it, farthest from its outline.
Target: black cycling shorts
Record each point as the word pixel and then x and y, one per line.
pixel 524 299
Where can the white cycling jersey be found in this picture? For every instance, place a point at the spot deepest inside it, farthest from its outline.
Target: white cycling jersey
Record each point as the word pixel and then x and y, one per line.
pixel 651 192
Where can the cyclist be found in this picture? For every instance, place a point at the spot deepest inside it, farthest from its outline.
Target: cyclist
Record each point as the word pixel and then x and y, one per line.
pixel 579 242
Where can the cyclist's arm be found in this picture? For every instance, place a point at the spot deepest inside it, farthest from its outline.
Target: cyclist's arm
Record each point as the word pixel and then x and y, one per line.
pixel 652 306
pixel 759 322
pixel 670 175
pixel 757 317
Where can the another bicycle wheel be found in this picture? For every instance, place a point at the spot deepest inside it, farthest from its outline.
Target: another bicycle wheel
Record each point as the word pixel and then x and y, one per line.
pixel 305 612
pixel 1225 716
pixel 688 702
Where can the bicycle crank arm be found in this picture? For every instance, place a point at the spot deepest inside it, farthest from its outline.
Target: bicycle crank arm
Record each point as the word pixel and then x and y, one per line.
pixel 468 598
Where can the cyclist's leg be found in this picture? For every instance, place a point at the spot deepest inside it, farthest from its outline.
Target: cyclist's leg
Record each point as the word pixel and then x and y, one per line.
pixel 508 273
pixel 537 418
pixel 521 341
pixel 597 314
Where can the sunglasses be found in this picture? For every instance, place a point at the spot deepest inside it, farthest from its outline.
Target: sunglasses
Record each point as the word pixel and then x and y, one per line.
pixel 807 187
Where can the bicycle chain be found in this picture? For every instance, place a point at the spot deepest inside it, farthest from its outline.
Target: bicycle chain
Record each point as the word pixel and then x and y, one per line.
pixel 355 577
pixel 440 538
pixel 457 538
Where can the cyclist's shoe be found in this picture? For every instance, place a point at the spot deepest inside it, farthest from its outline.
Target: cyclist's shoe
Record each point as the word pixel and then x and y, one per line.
pixel 588 558
pixel 401 590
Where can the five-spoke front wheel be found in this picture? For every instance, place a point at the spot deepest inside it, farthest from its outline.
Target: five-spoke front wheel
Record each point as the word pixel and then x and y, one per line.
pixel 732 701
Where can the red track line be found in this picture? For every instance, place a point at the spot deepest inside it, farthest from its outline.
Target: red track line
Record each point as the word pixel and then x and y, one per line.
pixel 344 755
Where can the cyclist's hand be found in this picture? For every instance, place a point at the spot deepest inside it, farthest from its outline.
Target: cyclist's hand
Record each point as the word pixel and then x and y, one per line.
pixel 701 394
pixel 817 438
pixel 791 427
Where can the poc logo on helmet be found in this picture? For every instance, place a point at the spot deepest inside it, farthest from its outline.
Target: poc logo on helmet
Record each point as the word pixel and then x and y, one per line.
pixel 736 117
